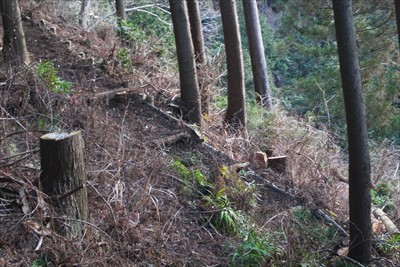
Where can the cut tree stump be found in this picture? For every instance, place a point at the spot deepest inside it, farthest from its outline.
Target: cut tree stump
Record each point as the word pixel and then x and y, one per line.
pixel 63 176
pixel 278 164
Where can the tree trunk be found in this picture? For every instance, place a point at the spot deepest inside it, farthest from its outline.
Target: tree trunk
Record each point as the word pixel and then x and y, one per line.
pixel 63 176
pixel 359 162
pixel 199 51
pixel 14 45
pixel 236 112
pixel 120 10
pixel 256 48
pixel 84 14
pixel 397 9
pixel 187 66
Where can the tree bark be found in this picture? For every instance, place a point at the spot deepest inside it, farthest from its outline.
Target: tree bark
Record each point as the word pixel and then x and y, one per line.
pixel 63 176
pixel 187 67
pixel 84 14
pixel 236 111
pixel 397 9
pixel 14 45
pixel 199 51
pixel 257 54
pixel 359 161
pixel 196 31
pixel 120 10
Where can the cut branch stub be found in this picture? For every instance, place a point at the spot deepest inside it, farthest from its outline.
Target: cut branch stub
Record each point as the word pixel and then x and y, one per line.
pixel 63 175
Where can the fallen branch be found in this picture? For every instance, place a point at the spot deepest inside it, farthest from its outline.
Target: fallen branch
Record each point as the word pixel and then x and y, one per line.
pixel 321 215
pixel 171 139
pixel 195 135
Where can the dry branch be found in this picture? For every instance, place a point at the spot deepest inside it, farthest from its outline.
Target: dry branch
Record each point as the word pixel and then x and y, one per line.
pixel 320 214
pixel 172 139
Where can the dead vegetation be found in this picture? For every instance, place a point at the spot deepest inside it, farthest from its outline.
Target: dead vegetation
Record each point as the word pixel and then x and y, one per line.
pixel 143 210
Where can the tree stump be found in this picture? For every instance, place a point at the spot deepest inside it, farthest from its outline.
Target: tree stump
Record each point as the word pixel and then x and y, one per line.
pixel 278 164
pixel 63 176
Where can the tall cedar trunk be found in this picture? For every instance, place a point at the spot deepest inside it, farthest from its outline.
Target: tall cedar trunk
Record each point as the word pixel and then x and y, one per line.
pixel 15 49
pixel 84 14
pixel 187 66
pixel 359 162
pixel 199 51
pixel 256 48
pixel 120 10
pixel 63 176
pixel 397 9
pixel 236 112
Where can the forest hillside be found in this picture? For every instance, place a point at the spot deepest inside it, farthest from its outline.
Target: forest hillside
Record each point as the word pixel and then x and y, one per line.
pixel 164 192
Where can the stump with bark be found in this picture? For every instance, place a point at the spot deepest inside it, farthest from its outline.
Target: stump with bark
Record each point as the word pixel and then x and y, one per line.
pixel 63 176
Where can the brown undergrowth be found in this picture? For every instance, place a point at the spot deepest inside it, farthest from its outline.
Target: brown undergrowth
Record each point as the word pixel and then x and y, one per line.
pixel 143 210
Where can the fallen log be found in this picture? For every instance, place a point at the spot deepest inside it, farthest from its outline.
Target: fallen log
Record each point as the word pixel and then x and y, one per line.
pixel 391 228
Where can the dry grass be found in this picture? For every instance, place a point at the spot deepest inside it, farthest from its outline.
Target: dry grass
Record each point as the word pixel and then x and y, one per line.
pixel 139 213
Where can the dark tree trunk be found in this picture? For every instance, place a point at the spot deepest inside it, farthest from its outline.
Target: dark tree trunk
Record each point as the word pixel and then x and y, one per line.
pixel 187 67
pixel 63 176
pixel 199 51
pixel 14 45
pixel 236 112
pixel 84 14
pixel 120 10
pixel 359 162
pixel 397 9
pixel 256 48
pixel 196 31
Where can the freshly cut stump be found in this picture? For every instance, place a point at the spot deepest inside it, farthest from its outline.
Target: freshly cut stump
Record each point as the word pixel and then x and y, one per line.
pixel 63 177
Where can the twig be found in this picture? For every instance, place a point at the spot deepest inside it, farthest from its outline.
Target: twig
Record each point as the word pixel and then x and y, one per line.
pixel 87 223
pixel 155 15
pixel 15 162
pixel 16 120
pixel 350 260
pixel 395 172
pixel 20 154
pixel 21 132
pixel 105 201
pixel 92 26
pixel 67 194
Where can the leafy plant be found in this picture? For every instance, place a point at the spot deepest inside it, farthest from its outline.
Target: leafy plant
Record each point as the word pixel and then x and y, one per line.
pixel 46 71
pixel 313 238
pixel 41 122
pixel 39 263
pixel 382 197
pixel 184 172
pixel 188 176
pixel 390 246
pixel 123 58
pixel 254 250
pixel 226 219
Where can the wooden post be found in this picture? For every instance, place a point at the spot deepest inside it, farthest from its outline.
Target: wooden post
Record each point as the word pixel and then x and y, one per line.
pixel 63 176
